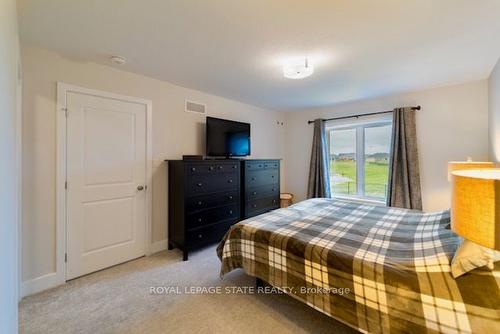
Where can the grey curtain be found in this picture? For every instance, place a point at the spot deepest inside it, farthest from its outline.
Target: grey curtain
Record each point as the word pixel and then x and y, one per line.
pixel 404 175
pixel 319 174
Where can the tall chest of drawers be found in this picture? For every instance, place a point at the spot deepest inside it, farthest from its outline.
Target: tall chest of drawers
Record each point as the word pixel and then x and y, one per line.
pixel 260 187
pixel 204 201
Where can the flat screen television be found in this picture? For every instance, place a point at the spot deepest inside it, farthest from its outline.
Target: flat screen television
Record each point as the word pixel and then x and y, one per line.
pixel 225 138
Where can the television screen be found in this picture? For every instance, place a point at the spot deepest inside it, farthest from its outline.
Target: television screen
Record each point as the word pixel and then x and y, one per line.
pixel 227 138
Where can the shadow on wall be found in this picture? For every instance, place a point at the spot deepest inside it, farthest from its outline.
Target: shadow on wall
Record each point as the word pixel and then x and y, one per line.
pixel 200 132
pixel 160 198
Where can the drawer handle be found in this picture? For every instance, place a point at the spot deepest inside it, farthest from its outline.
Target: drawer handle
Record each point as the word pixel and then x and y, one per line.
pixel 272 176
pixel 200 236
pixel 254 205
pixel 230 181
pixel 219 167
pixel 275 165
pixel 260 166
pixel 199 184
pixel 234 166
pixel 254 193
pixel 199 220
pixel 230 197
pixel 193 169
pixel 230 212
pixel 200 203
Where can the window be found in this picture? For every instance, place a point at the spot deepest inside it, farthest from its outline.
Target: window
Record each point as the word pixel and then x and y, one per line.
pixel 359 158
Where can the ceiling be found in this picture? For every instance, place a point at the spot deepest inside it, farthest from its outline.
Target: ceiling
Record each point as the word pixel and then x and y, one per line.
pixel 236 48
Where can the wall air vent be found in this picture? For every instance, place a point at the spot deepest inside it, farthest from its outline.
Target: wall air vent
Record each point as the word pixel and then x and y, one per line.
pixel 196 107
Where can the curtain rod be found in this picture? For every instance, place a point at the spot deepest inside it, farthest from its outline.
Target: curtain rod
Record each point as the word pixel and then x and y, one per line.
pixel 361 115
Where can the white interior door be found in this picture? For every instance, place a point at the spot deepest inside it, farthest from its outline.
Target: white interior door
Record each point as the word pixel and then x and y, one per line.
pixel 106 172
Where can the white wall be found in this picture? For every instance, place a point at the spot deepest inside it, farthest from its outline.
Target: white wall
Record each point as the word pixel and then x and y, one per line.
pixel 175 132
pixel 452 125
pixel 494 112
pixel 9 62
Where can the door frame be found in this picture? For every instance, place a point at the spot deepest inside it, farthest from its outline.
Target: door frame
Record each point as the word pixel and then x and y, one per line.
pixel 61 213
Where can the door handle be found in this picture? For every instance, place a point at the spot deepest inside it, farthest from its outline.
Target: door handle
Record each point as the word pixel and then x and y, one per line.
pixel 140 188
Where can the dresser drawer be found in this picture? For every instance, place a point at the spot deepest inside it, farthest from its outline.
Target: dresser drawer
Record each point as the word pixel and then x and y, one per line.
pixel 203 202
pixel 271 164
pixel 254 165
pixel 258 206
pixel 260 178
pixel 212 216
pixel 211 168
pixel 267 190
pixel 208 235
pixel 200 184
pixel 261 164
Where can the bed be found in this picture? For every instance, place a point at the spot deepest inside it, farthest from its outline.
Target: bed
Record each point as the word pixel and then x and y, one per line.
pixel 375 268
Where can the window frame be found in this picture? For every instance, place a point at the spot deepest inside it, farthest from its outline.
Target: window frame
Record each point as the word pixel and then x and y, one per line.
pixel 359 126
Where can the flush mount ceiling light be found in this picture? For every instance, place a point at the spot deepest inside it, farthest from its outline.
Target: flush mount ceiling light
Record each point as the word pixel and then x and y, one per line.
pixel 118 60
pixel 298 70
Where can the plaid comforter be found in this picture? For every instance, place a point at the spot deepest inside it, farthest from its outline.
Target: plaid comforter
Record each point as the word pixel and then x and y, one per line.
pixel 393 262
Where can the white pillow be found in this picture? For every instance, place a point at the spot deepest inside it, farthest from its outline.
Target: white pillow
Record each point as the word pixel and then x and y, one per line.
pixel 470 256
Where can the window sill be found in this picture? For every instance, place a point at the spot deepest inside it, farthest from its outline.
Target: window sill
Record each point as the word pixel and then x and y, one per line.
pixel 360 200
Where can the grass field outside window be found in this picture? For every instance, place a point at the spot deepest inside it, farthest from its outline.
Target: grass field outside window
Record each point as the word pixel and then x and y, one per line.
pixel 376 174
pixel 359 159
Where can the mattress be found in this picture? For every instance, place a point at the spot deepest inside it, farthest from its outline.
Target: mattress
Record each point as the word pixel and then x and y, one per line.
pixel 375 268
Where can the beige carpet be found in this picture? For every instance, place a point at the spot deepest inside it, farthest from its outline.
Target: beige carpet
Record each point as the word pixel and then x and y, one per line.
pixel 118 300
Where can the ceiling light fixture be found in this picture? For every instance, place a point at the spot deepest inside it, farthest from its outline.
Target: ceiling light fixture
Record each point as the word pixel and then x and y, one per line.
pixel 298 70
pixel 118 60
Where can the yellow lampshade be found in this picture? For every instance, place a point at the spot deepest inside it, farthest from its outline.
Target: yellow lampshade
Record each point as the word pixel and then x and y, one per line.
pixel 464 165
pixel 475 206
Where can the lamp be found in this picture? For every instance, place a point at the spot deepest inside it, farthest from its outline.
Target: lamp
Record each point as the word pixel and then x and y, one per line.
pixel 299 70
pixel 475 206
pixel 469 164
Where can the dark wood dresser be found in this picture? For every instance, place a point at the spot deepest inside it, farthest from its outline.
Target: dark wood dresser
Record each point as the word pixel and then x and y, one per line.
pixel 260 187
pixel 204 201
pixel 206 197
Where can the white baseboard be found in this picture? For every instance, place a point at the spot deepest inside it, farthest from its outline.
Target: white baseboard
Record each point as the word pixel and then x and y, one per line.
pixel 41 283
pixel 52 280
pixel 158 246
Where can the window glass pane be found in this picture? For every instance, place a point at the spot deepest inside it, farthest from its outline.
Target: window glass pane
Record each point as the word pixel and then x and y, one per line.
pixel 377 150
pixel 343 161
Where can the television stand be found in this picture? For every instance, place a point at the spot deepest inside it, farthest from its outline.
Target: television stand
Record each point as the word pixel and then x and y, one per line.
pixel 225 158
